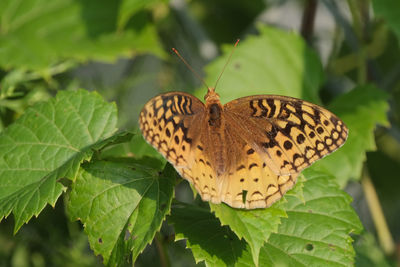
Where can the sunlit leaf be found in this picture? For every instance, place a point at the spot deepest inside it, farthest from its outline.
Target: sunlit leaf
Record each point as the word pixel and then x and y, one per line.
pixel 273 62
pixel 48 143
pixel 37 34
pixel 121 207
pixel 317 231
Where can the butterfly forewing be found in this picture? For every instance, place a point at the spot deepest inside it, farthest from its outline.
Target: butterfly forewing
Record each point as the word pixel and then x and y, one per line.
pixel 169 122
pixel 289 133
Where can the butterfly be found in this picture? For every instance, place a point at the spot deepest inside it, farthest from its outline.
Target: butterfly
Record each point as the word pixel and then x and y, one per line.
pixel 247 153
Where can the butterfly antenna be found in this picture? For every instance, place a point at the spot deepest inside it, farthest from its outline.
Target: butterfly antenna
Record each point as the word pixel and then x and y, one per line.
pixel 190 67
pixel 226 64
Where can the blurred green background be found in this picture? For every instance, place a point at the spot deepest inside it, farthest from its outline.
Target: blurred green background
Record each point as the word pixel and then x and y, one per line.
pixel 122 49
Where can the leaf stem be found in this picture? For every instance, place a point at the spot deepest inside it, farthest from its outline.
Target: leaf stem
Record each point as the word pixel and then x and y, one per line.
pixel 382 229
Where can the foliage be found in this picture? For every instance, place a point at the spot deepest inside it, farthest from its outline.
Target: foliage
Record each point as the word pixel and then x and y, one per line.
pixel 36 34
pixel 314 227
pixel 47 143
pixel 257 64
pixel 121 207
pixel 60 145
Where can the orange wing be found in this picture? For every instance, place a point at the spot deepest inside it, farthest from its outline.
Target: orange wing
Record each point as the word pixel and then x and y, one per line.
pixel 173 124
pixel 169 122
pixel 249 182
pixel 290 134
pixel 254 156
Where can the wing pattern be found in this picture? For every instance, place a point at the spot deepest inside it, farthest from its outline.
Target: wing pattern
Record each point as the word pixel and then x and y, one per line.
pixel 290 133
pixel 255 152
pixel 169 122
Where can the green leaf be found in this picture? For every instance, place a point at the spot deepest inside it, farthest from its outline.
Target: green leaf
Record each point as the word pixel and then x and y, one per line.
pixel 210 242
pixel 142 149
pixel 139 149
pixel 389 10
pixel 361 109
pixel 37 34
pixel 129 7
pixel 120 206
pixel 116 139
pixel 273 62
pixel 368 252
pixel 255 226
pixel 49 142
pixel 316 232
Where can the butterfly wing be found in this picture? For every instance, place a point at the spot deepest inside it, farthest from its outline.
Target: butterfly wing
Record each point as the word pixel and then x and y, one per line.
pixel 249 182
pixel 169 123
pixel 289 134
pixel 173 124
pixel 257 153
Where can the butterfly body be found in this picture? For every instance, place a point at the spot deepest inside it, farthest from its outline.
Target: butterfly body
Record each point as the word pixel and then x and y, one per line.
pixel 246 153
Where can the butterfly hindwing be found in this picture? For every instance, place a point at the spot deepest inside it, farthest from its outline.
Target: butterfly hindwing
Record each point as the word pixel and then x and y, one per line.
pixel 250 183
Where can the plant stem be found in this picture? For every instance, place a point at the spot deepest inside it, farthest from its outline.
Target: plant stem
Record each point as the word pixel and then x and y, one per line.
pixel 360 15
pixel 162 251
pixel 307 22
pixel 356 18
pixel 358 29
pixel 382 229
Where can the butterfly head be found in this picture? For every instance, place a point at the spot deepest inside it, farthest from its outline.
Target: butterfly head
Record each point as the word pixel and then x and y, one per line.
pixel 211 96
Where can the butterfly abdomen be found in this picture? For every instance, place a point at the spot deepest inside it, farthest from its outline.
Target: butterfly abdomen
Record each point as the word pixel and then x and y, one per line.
pixel 217 140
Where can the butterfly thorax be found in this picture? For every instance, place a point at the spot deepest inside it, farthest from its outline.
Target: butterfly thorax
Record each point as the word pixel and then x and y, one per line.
pixel 214 109
pixel 214 115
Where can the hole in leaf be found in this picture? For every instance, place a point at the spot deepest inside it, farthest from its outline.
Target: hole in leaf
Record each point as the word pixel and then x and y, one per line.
pixel 309 247
pixel 127 235
pixel 100 241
